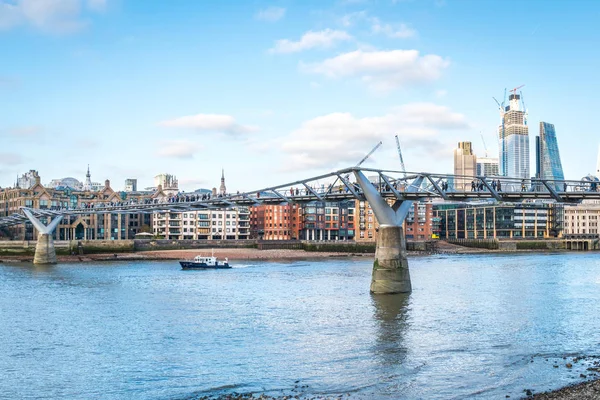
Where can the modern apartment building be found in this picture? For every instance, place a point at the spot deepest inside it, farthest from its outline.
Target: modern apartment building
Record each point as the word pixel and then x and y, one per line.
pixel 419 223
pixel 221 224
pixel 275 222
pixel 465 166
pixel 499 221
pixel 321 220
pixel 513 134
pixel 548 164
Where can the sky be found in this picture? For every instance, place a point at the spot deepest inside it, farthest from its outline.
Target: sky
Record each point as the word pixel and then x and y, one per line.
pixel 274 91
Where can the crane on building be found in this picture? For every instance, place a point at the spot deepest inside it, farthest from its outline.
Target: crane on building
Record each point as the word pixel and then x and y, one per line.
pixel 524 109
pixel 369 154
pixel 402 168
pixel 501 106
pixel 365 158
pixel 484 146
pixel 514 91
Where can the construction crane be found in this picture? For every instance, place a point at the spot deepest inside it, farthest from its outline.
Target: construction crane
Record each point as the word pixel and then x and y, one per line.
pixel 514 91
pixel 369 154
pixel 365 158
pixel 484 146
pixel 400 155
pixel 501 106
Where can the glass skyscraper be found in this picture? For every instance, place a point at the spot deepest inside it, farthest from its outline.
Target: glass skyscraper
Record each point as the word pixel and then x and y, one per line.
pixel 513 135
pixel 548 164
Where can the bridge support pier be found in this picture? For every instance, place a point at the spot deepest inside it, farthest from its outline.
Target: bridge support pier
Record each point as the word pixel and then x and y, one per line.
pixel 44 249
pixel 390 269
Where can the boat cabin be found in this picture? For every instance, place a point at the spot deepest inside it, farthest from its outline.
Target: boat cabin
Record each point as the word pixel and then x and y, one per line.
pixel 209 261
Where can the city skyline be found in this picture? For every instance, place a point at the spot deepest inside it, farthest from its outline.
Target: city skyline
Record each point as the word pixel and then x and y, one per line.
pixel 276 89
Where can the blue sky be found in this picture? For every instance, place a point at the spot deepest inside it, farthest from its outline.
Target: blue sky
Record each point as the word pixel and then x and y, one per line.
pixel 274 91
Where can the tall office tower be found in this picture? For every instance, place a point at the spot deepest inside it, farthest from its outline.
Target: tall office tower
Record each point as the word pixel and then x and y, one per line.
pixel 548 165
pixel 131 185
pixel 487 166
pixel 513 134
pixel 465 164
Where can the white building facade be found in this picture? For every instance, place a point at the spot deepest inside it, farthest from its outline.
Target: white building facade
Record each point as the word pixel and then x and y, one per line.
pixel 222 224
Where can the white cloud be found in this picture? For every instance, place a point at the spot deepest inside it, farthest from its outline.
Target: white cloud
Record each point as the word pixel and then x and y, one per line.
pixel 96 5
pixel 9 159
pixel 10 15
pixel 353 17
pixel 270 14
pixel 57 16
pixel 340 139
pixel 441 93
pixel 209 123
pixel 192 183
pixel 323 39
pixel 178 149
pixel 401 31
pixel 382 70
pixel 25 131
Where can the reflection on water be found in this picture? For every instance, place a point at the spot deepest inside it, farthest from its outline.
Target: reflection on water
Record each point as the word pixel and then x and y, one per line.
pixel 391 314
pixel 476 327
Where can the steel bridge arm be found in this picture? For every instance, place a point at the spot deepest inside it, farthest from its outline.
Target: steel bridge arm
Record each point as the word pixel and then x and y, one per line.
pixel 437 187
pixel 391 186
pixel 350 187
pixel 494 193
pixel 312 191
pixel 552 191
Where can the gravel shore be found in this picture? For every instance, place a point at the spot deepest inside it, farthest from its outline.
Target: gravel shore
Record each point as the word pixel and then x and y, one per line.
pixel 231 254
pixel 583 391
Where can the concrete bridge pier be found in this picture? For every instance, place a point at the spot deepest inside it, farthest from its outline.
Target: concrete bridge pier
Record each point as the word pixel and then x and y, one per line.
pixel 390 268
pixel 44 249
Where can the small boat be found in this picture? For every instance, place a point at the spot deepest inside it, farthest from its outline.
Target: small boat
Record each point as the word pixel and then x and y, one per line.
pixel 202 262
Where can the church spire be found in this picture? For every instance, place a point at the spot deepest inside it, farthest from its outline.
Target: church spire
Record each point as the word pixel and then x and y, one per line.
pixel 223 189
pixel 88 180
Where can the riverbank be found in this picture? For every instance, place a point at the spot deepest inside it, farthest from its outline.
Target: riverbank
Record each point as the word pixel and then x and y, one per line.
pixel 258 254
pixel 221 253
pixel 583 391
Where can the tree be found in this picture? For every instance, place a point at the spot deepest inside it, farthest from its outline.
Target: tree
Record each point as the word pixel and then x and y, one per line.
pixel 145 229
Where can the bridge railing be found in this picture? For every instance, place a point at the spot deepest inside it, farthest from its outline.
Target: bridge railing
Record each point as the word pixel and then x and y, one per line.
pixel 340 185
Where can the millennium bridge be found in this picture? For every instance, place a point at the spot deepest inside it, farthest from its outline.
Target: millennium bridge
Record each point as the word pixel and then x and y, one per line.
pixel 390 194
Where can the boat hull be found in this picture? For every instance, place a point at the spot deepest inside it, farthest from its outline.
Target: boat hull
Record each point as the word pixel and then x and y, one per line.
pixel 194 265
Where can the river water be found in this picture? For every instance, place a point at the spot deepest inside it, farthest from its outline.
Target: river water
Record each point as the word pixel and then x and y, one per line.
pixel 475 326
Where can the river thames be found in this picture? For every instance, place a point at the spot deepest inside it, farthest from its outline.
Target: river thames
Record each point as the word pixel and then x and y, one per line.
pixel 475 326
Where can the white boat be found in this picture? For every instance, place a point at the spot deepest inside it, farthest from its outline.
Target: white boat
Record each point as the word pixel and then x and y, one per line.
pixel 204 262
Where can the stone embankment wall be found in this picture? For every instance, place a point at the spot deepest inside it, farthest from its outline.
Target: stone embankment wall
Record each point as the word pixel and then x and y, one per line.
pixel 511 245
pixel 13 247
pixel 166 244
pixel 27 247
